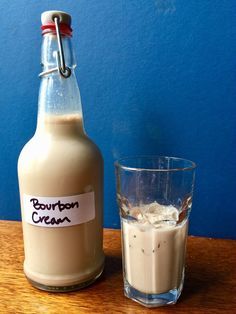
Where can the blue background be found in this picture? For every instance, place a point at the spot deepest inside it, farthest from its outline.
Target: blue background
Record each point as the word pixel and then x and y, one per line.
pixel 156 77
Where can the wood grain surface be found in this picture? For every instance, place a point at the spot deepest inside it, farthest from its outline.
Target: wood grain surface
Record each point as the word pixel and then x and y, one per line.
pixel 209 286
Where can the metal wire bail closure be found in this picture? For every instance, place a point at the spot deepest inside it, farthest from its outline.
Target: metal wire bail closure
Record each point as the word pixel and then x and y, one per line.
pixel 62 68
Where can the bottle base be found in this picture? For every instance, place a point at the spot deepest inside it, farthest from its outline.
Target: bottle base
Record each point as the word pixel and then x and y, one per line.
pixel 65 288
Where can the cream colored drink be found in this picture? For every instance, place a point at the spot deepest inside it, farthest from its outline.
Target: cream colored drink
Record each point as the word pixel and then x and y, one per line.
pixel 154 251
pixel 59 163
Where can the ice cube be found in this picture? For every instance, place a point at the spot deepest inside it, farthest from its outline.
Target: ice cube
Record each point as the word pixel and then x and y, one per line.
pixel 123 204
pixel 158 214
pixel 136 212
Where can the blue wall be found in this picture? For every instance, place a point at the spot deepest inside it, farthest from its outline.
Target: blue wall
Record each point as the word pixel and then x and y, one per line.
pixel 156 77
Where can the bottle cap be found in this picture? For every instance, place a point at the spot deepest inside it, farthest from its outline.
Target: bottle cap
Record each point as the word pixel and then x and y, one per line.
pixel 48 23
pixel 47 17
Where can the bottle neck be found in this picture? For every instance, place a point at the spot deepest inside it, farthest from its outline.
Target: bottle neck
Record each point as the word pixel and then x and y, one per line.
pixel 59 102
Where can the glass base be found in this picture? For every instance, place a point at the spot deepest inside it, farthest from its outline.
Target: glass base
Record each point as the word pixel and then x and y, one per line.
pixel 153 300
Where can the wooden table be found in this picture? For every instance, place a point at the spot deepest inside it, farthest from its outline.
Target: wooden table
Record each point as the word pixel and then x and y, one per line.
pixel 209 285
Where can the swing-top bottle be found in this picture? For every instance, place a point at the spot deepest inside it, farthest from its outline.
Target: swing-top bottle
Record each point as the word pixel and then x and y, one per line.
pixel 60 174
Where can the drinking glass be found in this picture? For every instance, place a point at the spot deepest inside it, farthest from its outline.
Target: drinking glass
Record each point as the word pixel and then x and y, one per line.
pixel 154 196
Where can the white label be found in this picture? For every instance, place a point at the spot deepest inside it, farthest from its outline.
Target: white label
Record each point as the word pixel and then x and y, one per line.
pixel 59 211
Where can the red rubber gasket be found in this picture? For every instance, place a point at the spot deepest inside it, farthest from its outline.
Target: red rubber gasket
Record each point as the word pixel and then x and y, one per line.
pixel 50 28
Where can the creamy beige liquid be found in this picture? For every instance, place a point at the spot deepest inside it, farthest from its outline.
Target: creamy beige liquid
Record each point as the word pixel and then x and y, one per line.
pixel 61 161
pixel 153 257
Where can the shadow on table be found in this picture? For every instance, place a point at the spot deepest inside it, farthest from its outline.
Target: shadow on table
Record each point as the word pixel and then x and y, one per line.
pixel 202 279
pixel 113 266
pixel 112 269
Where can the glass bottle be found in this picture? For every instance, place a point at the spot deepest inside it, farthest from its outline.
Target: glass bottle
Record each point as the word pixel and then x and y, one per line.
pixel 60 173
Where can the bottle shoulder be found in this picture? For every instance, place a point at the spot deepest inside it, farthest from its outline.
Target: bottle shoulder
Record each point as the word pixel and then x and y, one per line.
pixel 59 151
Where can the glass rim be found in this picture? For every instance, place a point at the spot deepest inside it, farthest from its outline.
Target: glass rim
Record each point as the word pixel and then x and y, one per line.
pixel 118 163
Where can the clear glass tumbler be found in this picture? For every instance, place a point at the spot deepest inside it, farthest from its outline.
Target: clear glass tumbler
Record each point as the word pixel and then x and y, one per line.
pixel 154 196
